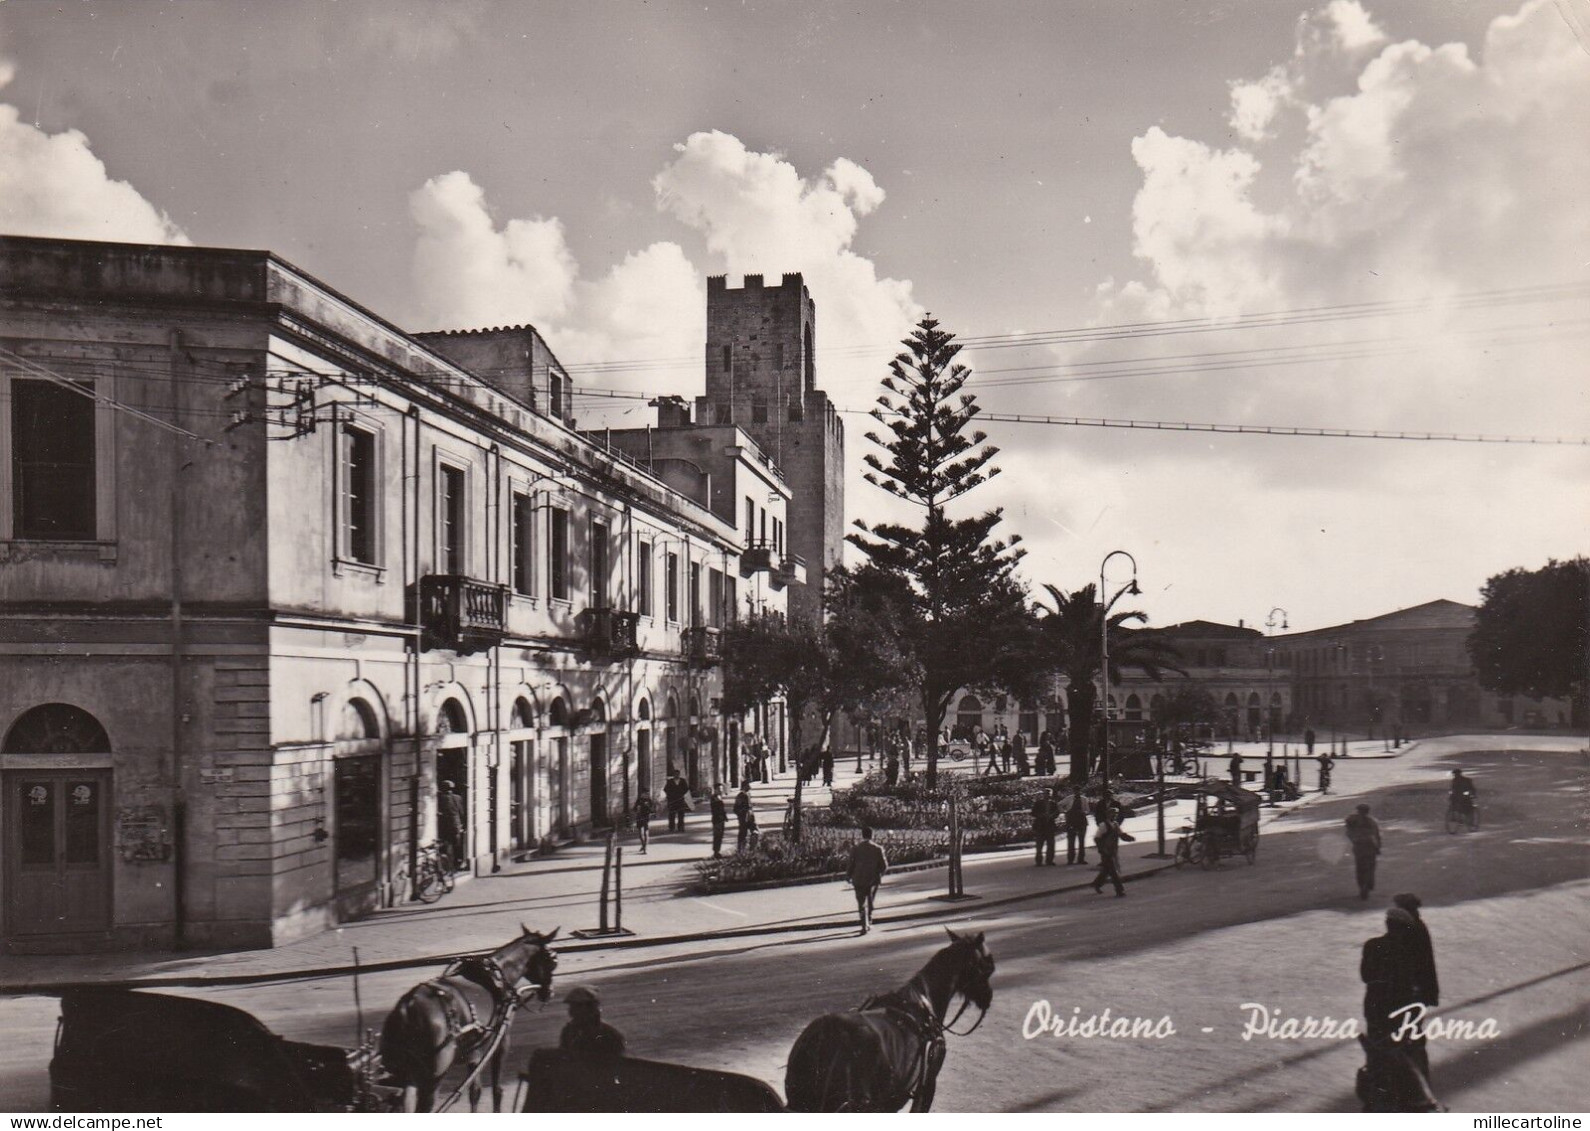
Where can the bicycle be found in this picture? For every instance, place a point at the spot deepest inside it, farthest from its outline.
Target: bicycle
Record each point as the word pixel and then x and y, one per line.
pixel 1457 819
pixel 433 868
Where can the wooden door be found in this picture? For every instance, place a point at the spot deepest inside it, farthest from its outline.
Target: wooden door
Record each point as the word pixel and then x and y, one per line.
pixel 57 852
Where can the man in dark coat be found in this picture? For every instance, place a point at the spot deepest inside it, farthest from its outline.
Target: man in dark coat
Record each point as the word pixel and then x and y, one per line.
pixel 720 819
pixel 1364 836
pixel 1108 841
pixel 675 791
pixel 590 1042
pixel 1392 1079
pixel 1045 818
pixel 1077 828
pixel 867 866
pixel 1426 985
pixel 743 816
pixel 450 822
pixel 1236 769
pixel 1045 755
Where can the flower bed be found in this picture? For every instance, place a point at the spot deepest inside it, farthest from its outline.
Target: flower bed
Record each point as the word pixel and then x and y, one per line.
pixel 822 851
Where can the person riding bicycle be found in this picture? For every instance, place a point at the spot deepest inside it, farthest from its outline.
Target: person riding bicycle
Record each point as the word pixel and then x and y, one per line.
pixel 1463 794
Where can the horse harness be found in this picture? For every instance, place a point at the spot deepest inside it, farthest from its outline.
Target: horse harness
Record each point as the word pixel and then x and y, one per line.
pixel 917 1012
pixel 463 1023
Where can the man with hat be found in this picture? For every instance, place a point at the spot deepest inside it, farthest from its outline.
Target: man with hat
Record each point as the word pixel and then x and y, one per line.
pixel 1426 986
pixel 1394 1078
pixel 586 1038
pixel 450 822
pixel 1364 835
pixel 1045 819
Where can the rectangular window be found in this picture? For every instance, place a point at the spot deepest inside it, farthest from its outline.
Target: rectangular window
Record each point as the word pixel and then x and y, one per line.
pixel 643 578
pixel 731 608
pixel 672 581
pixel 52 461
pixel 558 555
pixel 555 394
pixel 727 362
pixel 695 593
pixel 759 411
pixel 599 570
pixel 714 597
pixel 358 495
pixel 451 518
pixel 764 527
pixel 524 524
pixel 781 355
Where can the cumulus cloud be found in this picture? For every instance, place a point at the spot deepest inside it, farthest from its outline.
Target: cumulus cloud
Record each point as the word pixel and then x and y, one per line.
pixel 53 185
pixel 754 213
pixel 1440 186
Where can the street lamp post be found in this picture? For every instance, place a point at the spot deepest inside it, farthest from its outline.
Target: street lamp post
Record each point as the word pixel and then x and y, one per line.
pixel 1104 649
pixel 1269 708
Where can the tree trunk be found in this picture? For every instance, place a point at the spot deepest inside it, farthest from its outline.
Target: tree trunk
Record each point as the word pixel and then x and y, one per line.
pixel 933 726
pixel 1079 715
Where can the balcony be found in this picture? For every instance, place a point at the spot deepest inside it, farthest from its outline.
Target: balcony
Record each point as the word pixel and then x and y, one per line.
pixel 611 632
pixel 759 556
pixel 701 646
pixel 790 571
pixel 461 613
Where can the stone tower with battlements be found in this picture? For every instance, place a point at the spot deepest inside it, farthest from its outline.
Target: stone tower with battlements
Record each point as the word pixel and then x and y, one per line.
pixel 762 375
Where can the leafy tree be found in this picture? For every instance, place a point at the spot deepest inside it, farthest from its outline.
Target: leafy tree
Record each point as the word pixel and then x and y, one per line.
pixel 820 668
pixel 1068 643
pixel 953 599
pixel 1532 634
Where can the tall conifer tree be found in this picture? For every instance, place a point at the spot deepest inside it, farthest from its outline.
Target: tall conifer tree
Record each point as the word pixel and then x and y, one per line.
pixel 960 610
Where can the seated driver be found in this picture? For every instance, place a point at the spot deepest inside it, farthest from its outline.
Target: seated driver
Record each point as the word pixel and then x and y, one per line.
pixel 586 1037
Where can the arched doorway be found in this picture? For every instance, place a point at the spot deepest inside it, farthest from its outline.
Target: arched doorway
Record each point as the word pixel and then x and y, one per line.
pixel 555 770
pixel 356 807
pixel 601 772
pixel 1255 716
pixel 522 827
pixel 57 843
pixel 693 748
pixel 671 736
pixel 969 716
pixel 452 762
pixel 643 767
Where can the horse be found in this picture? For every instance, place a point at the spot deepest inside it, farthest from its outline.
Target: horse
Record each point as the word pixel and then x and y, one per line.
pixel 889 1050
pixel 435 1025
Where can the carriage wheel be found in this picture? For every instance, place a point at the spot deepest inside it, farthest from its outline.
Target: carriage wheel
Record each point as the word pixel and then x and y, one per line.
pixel 1250 847
pixel 1210 856
pixel 1474 819
pixel 1453 821
pixel 1183 852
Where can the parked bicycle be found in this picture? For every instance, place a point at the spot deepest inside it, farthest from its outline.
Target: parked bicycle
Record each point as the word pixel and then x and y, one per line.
pixel 434 868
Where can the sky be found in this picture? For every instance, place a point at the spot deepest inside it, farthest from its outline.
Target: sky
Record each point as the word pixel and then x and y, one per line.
pixel 1357 214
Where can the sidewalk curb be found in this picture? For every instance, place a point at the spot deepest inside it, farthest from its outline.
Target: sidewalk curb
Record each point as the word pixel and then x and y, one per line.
pixel 50 989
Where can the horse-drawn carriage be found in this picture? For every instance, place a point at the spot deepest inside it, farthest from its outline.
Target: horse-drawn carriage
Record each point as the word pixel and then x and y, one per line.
pixel 1226 824
pixel 130 1050
pixel 119 1049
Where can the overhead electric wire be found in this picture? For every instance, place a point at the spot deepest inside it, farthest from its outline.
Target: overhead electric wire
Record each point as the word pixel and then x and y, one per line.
pixel 39 372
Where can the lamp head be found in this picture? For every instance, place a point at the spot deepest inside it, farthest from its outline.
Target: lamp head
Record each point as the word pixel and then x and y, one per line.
pixel 1134 590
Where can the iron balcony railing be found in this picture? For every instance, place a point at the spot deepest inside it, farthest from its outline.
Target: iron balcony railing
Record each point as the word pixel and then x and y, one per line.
pixel 462 613
pixel 759 556
pixel 612 632
pixel 702 646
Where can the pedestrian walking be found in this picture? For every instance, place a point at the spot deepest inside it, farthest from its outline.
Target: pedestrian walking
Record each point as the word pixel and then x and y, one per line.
pixel 744 818
pixel 1426 984
pixel 676 794
pixel 1004 754
pixel 1077 828
pixel 1018 751
pixel 1236 769
pixel 1326 765
pixel 764 761
pixel 828 767
pixel 891 767
pixel 720 819
pixel 1392 1079
pixel 1308 740
pixel 1108 841
pixel 867 866
pixel 1364 835
pixel 1045 755
pixel 644 808
pixel 1045 819
pixel 1105 807
pixel 450 824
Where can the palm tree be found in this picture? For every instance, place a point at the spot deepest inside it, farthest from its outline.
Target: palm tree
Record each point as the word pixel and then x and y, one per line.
pixel 1067 640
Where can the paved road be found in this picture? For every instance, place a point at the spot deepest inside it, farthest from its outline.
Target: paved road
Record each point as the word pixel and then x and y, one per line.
pixel 1506 905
